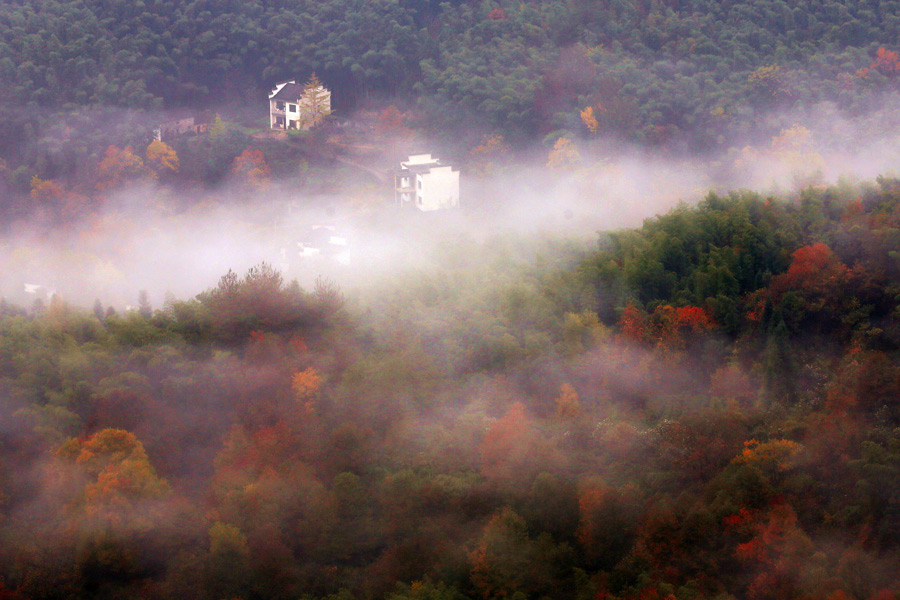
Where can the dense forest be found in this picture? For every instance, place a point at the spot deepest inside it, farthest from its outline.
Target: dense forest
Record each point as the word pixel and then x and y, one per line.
pixel 81 75
pixel 702 407
pixel 706 406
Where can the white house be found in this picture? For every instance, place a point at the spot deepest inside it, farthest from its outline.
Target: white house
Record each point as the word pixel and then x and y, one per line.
pixel 298 106
pixel 424 182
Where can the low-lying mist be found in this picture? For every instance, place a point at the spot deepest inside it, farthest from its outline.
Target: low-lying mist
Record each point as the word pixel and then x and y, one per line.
pixel 179 243
pixel 479 401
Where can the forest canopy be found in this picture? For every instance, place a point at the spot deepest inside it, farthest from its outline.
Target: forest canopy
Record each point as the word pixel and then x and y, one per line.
pixel 704 406
pixel 697 72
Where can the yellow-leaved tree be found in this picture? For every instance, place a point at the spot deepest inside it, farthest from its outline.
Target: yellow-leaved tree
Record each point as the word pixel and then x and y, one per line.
pixel 162 158
pixel 489 154
pixel 795 149
pixel 564 154
pixel 315 104
pixel 116 465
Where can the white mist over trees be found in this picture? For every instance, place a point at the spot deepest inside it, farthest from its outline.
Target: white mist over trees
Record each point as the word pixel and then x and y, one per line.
pixel 230 367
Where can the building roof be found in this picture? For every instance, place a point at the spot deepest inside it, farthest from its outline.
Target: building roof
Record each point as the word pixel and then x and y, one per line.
pixel 418 168
pixel 423 168
pixel 288 91
pixel 419 163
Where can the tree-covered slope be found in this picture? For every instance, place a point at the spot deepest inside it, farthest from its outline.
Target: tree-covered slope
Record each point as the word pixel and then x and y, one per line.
pixel 705 406
pixel 653 72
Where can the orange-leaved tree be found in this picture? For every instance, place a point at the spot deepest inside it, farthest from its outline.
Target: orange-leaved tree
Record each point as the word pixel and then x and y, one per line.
pixel 120 166
pixel 50 199
pixel 306 386
pixel 634 325
pixel 250 167
pixel 567 404
pixel 509 444
pixel 119 480
pixel 513 450
pixel 589 119
pixel 564 155
pixel 781 552
pixel 489 154
pixel 886 62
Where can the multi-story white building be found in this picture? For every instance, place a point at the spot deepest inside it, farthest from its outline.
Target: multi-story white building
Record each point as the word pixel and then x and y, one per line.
pixel 296 106
pixel 423 182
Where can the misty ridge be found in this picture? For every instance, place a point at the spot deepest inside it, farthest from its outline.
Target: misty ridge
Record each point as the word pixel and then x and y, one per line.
pixel 653 355
pixel 165 239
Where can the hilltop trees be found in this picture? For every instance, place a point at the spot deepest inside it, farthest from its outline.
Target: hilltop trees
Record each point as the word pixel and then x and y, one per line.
pixel 696 74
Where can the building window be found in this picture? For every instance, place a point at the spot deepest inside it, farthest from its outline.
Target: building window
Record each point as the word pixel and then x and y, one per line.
pixel 292 107
pixel 420 184
pixel 279 106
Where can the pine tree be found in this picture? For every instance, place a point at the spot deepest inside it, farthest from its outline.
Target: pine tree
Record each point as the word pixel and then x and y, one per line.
pixel 315 105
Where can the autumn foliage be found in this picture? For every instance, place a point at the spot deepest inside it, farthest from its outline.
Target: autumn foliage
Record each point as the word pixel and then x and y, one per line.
pixel 589 119
pixel 666 327
pixel 567 405
pixel 490 154
pixel 250 168
pixel 705 407
pixel 814 269
pixel 564 154
pixel 306 385
pixel 887 62
pixel 509 444
pixel 120 166
pixel 118 478
pixel 162 158
pixel 52 200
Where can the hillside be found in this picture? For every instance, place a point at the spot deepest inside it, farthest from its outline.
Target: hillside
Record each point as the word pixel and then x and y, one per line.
pixel 606 376
pixel 705 406
pixel 695 74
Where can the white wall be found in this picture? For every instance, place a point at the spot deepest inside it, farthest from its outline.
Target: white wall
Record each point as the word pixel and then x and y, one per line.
pixel 272 109
pixel 440 189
